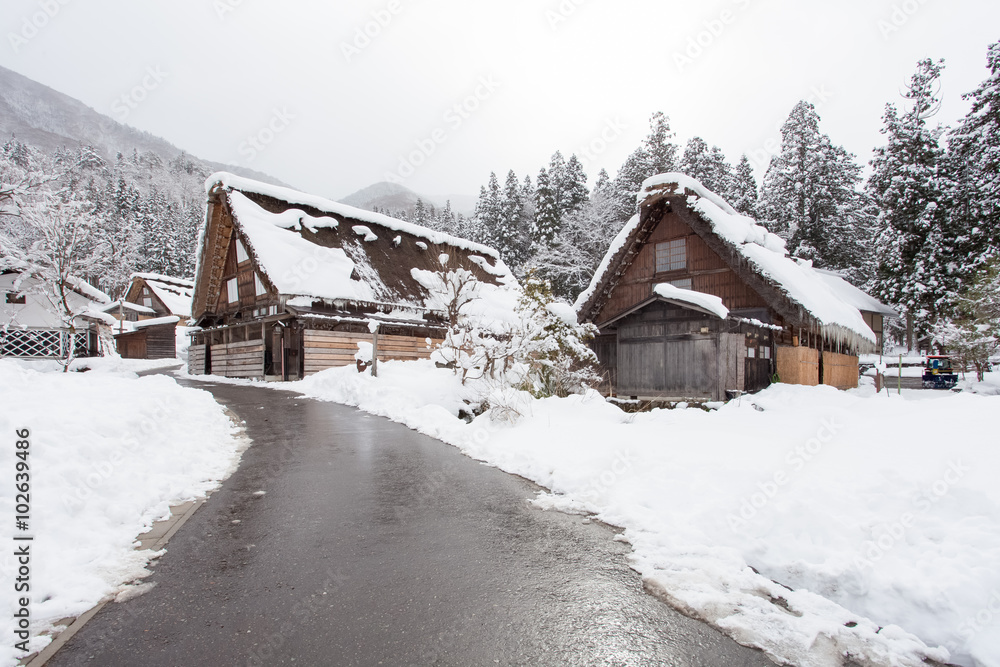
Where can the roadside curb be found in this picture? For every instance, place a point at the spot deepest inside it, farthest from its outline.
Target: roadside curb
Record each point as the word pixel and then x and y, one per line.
pixel 152 540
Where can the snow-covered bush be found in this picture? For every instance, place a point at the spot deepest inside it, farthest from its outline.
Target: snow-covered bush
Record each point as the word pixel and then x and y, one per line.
pixel 554 345
pixel 537 346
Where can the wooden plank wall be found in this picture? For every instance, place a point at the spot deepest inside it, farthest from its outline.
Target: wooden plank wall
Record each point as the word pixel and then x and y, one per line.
pixel 840 370
pixel 239 360
pixel 161 341
pixel 196 359
pixel 732 360
pixel 708 272
pixel 329 349
pixel 798 365
pixel 326 349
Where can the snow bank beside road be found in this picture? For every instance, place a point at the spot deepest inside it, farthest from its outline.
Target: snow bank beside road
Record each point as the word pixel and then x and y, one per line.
pixel 880 514
pixel 110 452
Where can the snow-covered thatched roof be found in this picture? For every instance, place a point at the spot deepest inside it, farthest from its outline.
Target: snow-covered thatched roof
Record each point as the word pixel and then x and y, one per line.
pixel 804 296
pixel 314 250
pixel 174 293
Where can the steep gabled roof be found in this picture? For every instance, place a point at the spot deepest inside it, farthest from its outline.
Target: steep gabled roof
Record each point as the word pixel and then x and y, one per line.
pixel 799 293
pixel 310 249
pixel 174 293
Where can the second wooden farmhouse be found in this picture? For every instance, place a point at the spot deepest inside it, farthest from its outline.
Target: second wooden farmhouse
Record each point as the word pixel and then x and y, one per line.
pixel 287 284
pixel 695 301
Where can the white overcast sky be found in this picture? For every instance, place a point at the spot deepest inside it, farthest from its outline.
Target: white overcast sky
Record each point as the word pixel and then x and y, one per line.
pixel 560 74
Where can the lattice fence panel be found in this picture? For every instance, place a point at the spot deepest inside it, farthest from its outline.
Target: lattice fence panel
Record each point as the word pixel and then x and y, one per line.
pixel 81 344
pixel 30 343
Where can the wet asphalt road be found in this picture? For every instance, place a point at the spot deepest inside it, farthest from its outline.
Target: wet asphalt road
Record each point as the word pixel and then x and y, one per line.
pixel 375 545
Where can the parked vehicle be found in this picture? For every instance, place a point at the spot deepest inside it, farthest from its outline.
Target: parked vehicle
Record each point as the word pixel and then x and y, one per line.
pixel 938 373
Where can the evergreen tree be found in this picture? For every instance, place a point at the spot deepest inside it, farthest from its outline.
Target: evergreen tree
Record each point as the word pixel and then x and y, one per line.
pixel 547 213
pixel 810 194
pixel 708 166
pixel 745 188
pixel 915 249
pixel 573 186
pixel 569 262
pixel 420 213
pixel 516 226
pixel 488 220
pixel 657 155
pixel 975 164
pixel 557 180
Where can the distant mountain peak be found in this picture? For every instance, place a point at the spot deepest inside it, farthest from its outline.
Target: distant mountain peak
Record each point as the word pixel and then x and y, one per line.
pixel 49 120
pixel 394 197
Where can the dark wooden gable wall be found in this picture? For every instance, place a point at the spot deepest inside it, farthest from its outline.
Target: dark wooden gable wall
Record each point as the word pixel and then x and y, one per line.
pixel 135 295
pixel 244 272
pixel 707 271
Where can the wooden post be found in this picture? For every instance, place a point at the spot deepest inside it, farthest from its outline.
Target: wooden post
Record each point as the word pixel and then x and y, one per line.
pixel 375 352
pixel 899 382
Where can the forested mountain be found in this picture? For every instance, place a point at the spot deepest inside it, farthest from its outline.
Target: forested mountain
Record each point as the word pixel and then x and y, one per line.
pixel 401 201
pixel 147 194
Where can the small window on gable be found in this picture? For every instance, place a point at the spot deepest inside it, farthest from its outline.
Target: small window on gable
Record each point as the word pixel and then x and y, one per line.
pixel 241 252
pixel 671 255
pixel 259 285
pixel 234 290
pixel 15 298
pixel 683 283
pixel 147 301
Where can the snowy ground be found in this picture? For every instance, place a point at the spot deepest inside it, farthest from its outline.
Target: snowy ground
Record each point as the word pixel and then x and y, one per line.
pixel 109 453
pixel 879 516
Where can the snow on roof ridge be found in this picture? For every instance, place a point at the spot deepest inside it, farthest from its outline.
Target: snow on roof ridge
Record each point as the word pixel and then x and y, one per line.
pixel 167 319
pixel 180 282
pixel 654 185
pixel 234 182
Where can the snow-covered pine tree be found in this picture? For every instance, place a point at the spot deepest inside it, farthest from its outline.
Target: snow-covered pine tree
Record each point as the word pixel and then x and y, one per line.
pixel 528 199
pixel 974 158
pixel 570 260
pixel 708 166
pixel 487 222
pixel 656 155
pixel 547 213
pixel 658 147
pixel 810 194
pixel 914 247
pixel 421 215
pixel 573 186
pixel 516 227
pixel 744 188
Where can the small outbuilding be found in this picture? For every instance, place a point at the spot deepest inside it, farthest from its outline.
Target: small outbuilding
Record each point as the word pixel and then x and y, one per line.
pixel 287 284
pixel 154 338
pixel 694 301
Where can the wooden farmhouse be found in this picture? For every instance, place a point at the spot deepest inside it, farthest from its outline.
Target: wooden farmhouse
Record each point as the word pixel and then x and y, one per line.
pixel 30 324
pixel 288 284
pixel 164 295
pixel 695 301
pixel 153 307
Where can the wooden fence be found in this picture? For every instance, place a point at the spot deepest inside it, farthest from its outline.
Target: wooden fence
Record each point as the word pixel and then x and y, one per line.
pixel 238 360
pixel 328 349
